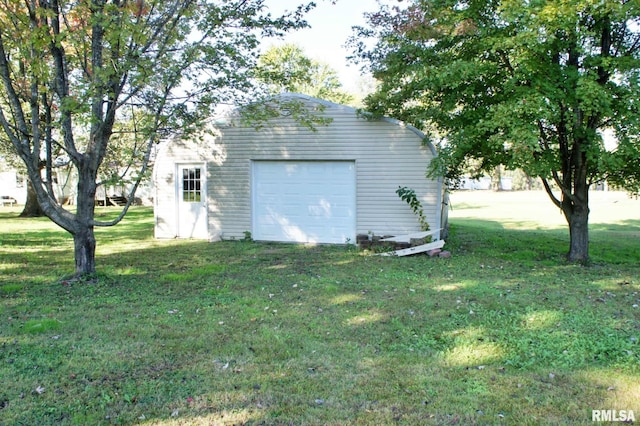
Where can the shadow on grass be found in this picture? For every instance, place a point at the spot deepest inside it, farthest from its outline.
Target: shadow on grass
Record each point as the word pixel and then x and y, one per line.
pixel 466 206
pixel 234 332
pixel 629 226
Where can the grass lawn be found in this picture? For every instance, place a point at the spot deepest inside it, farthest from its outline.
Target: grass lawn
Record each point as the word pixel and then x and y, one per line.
pixel 193 333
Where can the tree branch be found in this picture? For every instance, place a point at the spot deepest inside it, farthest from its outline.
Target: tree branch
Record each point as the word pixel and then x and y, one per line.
pixel 20 140
pixel 61 84
pixel 549 192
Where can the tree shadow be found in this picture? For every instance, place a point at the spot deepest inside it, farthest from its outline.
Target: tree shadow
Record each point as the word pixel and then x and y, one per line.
pixel 264 333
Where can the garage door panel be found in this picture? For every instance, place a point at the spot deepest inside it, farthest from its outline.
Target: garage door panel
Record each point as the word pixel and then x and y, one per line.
pixel 304 201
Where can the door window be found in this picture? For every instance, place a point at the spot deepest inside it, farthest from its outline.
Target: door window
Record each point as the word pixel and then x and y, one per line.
pixel 191 185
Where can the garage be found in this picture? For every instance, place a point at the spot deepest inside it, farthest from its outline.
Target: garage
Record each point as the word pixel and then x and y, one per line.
pixel 284 181
pixel 304 201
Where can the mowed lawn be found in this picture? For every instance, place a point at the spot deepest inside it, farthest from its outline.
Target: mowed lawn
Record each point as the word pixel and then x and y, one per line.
pixel 194 333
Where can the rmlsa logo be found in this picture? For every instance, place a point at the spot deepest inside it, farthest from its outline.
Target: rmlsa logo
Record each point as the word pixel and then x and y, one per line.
pixel 613 416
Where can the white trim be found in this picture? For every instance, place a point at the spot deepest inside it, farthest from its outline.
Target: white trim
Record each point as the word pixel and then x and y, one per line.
pixel 179 166
pixel 417 249
pixel 407 238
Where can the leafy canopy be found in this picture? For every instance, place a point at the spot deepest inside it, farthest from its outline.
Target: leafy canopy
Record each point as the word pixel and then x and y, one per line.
pixel 529 84
pixel 78 74
pixel 287 69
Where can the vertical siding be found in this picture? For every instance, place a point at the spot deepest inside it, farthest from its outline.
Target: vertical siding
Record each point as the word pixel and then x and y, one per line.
pixel 387 155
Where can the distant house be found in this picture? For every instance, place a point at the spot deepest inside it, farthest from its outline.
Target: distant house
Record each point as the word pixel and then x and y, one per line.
pixel 506 183
pixel 12 186
pixel 285 182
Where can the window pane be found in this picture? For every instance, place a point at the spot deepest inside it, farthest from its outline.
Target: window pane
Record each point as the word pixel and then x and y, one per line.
pixel 191 185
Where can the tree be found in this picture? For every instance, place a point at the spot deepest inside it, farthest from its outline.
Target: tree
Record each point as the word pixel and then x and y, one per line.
pixel 287 69
pixel 527 84
pixel 72 69
pixel 31 206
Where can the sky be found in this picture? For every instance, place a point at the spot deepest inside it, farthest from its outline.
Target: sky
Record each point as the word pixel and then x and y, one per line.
pixel 330 29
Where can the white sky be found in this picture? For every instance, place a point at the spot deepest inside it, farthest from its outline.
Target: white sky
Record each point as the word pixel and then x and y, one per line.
pixel 330 29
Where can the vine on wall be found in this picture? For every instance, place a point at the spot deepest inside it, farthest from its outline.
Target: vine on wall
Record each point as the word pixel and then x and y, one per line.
pixel 409 195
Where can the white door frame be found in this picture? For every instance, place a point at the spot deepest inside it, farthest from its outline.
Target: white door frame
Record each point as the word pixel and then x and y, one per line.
pixel 191 200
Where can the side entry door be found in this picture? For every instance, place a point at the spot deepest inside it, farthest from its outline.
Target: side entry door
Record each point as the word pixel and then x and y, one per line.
pixel 192 201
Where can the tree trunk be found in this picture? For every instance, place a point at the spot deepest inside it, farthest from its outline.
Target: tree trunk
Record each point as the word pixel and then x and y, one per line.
pixel 577 215
pixel 84 244
pixel 84 241
pixel 31 206
pixel 529 184
pixel 496 179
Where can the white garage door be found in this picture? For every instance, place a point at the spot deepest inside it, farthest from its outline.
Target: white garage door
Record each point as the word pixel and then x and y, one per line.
pixel 304 201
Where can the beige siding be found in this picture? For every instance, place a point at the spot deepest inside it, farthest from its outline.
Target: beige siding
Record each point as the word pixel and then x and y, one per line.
pixel 169 156
pixel 387 155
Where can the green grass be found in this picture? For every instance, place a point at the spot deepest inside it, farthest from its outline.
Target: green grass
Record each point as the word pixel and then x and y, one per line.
pixel 188 332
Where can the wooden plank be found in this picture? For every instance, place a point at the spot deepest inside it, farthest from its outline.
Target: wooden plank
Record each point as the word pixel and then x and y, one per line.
pixel 407 238
pixel 415 250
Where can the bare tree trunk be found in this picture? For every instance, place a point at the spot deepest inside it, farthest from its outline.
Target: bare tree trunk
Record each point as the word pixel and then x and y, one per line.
pixel 31 206
pixel 84 245
pixel 84 241
pixel 575 208
pixel 579 237
pixel 496 179
pixel 577 215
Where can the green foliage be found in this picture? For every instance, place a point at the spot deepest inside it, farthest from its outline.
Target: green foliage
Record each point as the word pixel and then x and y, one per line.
pixel 409 195
pixel 258 114
pixel 287 69
pixel 528 85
